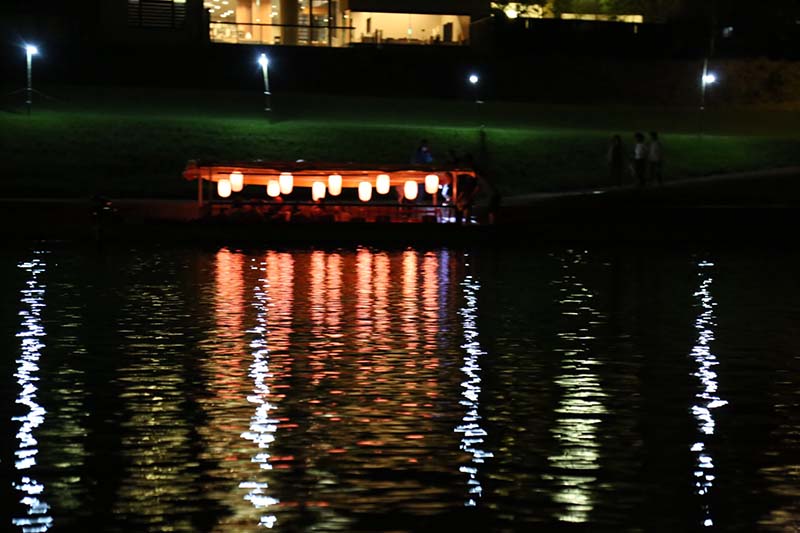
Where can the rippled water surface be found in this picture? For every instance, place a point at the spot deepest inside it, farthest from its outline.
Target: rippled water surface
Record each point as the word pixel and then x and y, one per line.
pixel 399 390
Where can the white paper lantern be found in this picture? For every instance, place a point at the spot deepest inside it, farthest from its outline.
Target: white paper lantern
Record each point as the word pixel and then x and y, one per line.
pixel 237 181
pixel 224 188
pixel 317 190
pixel 431 183
pixel 365 191
pixel 273 188
pixel 382 183
pixel 286 181
pixel 335 184
pixel 410 190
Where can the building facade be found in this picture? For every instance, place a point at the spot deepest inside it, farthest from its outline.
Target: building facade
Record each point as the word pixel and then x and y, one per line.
pixel 341 22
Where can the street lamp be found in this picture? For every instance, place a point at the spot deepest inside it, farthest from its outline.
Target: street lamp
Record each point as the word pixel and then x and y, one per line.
pixel 473 80
pixel 706 80
pixel 264 62
pixel 30 51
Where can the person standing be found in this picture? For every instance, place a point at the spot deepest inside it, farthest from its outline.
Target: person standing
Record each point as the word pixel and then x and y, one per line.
pixel 616 160
pixel 655 158
pixel 423 155
pixel 639 158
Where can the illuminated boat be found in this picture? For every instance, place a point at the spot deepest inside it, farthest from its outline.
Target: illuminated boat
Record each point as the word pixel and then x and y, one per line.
pixel 316 192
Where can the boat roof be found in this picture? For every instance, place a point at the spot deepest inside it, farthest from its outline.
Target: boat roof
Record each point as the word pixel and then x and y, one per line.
pixel 260 172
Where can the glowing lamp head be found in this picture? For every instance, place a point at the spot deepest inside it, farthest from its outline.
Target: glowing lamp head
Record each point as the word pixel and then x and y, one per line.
pixel 286 181
pixel 31 50
pixel 237 181
pixel 410 190
pixel 709 79
pixel 365 191
pixel 473 79
pixel 263 61
pixel 273 188
pixel 224 188
pixel 383 183
pixel 431 183
pixel 335 184
pixel 317 190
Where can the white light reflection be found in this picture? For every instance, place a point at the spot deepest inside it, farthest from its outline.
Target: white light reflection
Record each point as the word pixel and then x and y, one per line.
pixel 262 426
pixel 473 434
pixel 581 409
pixel 36 519
pixel 707 399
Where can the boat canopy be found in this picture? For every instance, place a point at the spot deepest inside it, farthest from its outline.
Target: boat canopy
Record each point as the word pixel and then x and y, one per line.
pixel 305 173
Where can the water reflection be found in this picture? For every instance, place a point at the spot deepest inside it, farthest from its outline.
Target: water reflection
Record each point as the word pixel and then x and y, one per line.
pixel 37 516
pixel 344 390
pixel 350 380
pixel 473 435
pixel 263 426
pixel 706 399
pixel 580 409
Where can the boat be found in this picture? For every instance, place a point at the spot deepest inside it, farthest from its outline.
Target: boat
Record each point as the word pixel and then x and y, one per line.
pixel 333 193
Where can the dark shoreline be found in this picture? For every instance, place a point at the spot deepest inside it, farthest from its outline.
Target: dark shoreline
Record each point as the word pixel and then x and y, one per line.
pixel 737 208
pixel 634 224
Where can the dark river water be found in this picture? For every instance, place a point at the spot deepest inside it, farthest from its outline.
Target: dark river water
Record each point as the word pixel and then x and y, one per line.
pixel 560 388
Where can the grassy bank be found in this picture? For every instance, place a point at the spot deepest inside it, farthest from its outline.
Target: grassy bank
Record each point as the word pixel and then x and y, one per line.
pixel 125 142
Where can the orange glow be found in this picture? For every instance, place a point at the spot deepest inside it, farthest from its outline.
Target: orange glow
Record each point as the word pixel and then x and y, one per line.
pixel 430 302
pixel 273 188
pixel 410 190
pixel 383 317
pixel 229 313
pixel 363 297
pixel 237 181
pixel 365 191
pixel 409 314
pixel 304 174
pixel 335 184
pixel 431 183
pixel 224 188
pixel 383 183
pixel 317 190
pixel 286 181
pixel 333 303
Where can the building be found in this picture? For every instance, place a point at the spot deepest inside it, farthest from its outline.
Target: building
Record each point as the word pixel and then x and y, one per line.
pixel 330 23
pixel 341 22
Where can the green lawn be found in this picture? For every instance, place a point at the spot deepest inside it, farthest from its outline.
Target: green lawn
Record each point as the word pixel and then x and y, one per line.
pixel 128 142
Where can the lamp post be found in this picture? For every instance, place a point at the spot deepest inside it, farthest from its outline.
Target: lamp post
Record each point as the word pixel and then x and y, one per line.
pixel 30 51
pixel 473 80
pixel 706 80
pixel 264 62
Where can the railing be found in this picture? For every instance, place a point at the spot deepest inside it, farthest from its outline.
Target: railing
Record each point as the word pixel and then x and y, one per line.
pixel 159 14
pixel 289 34
pixel 266 211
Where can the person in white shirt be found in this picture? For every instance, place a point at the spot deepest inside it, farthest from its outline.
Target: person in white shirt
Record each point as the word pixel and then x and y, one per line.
pixel 655 158
pixel 639 159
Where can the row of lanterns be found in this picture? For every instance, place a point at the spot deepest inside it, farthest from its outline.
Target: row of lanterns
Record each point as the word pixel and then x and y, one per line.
pixel 285 183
